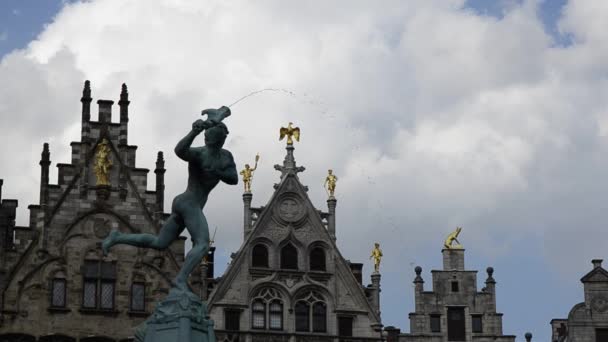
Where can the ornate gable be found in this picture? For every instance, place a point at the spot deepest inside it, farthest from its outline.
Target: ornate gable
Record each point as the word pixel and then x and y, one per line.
pixel 99 190
pixel 289 251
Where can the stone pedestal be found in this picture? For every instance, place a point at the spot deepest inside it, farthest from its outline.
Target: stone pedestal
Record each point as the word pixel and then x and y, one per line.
pixel 181 317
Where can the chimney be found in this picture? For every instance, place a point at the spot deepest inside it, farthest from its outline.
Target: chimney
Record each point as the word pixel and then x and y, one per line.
pixel 105 110
pixel 597 263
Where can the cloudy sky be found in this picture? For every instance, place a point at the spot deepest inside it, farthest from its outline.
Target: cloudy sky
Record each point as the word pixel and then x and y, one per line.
pixel 491 115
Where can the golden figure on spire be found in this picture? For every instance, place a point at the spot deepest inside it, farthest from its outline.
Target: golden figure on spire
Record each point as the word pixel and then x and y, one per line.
pixel 247 174
pixel 103 163
pixel 451 238
pixel 330 182
pixel 290 132
pixel 377 256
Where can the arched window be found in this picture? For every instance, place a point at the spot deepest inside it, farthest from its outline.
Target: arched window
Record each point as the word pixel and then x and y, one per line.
pixel 302 316
pixel 259 256
pixel 289 257
pixel 258 314
pixel 318 317
pixel 138 296
pixel 311 312
pixel 317 259
pixel 267 306
pixel 275 321
pixel 58 291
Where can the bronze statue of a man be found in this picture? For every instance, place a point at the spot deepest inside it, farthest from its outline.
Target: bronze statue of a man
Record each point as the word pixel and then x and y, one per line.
pixel 207 166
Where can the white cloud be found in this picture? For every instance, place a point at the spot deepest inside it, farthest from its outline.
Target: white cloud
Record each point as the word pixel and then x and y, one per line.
pixel 3 36
pixel 430 115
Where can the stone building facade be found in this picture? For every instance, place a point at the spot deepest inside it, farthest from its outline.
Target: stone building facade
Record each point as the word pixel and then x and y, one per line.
pixel 588 320
pixel 454 310
pixel 56 284
pixel 288 280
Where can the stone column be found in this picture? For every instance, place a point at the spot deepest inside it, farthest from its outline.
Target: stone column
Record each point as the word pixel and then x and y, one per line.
pixel 419 288
pixel 331 220
pixel 45 162
pixel 491 288
pixel 376 295
pixel 247 197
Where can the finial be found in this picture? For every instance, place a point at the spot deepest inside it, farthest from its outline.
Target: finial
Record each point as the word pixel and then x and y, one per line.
pixel 86 92
pixel 418 271
pixel 45 156
pixel 528 336
pixel 45 151
pixel 289 163
pixel 124 94
pixel 490 271
pixel 160 161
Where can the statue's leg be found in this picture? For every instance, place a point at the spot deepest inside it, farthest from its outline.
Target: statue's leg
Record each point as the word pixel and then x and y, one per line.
pixel 196 224
pixel 169 232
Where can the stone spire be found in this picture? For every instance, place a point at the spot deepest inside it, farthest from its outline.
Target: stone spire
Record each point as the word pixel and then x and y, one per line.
pixel 289 163
pixel 160 182
pixel 86 101
pixel 124 104
pixel 45 162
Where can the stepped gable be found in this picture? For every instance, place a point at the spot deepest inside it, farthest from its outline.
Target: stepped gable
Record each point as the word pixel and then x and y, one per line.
pixel 61 248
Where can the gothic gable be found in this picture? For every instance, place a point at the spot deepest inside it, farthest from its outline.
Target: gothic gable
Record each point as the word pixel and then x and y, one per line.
pixel 289 248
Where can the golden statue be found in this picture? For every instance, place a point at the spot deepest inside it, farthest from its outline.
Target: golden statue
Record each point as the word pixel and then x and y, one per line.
pixel 103 163
pixel 290 132
pixel 330 182
pixel 377 255
pixel 247 174
pixel 451 238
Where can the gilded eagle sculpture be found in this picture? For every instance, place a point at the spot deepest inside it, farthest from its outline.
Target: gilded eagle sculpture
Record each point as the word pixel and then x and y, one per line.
pixel 290 132
pixel 453 238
